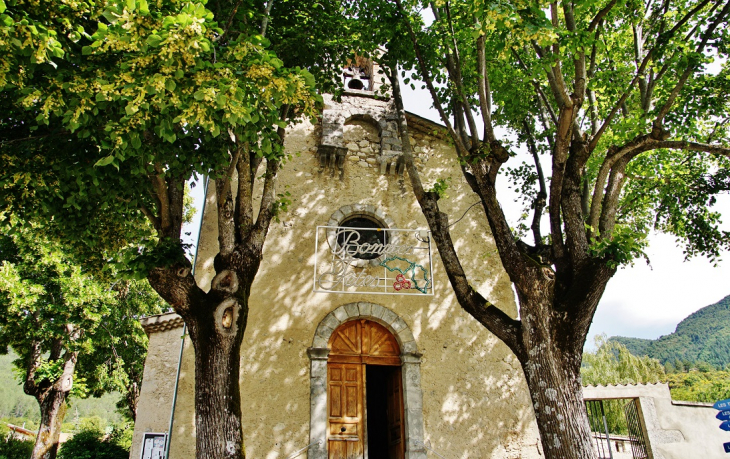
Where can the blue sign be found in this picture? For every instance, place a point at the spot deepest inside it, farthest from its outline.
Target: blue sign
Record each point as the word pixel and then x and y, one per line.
pixel 725 426
pixel 727 447
pixel 722 405
pixel 723 415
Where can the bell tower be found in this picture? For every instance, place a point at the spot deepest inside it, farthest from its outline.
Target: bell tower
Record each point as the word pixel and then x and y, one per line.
pixel 361 102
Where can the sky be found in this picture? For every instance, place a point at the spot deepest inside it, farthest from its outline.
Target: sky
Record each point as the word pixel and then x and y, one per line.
pixel 640 301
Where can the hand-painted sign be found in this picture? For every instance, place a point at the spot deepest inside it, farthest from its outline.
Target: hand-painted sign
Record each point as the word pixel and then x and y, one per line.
pixel 725 426
pixel 722 405
pixel 723 415
pixel 399 263
pixel 727 447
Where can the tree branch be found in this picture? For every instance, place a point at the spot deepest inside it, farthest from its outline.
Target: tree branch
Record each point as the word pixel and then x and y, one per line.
pixel 160 189
pixel 483 89
pixel 541 198
pixel 494 319
pixel 31 367
pixel 637 146
pixel 560 154
pixel 616 182
pixel 690 68
pixel 229 22
pixel 596 22
pixel 226 220
pixel 458 81
pixel 460 148
pixel 150 216
pixel 176 285
pixel 266 209
pixel 244 196
pixel 267 15
pixel 538 89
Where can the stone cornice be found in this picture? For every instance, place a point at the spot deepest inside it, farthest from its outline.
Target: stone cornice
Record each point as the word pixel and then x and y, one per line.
pixel 161 322
pixel 426 126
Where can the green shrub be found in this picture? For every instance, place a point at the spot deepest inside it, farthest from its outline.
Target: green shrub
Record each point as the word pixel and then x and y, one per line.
pixel 15 449
pixel 92 444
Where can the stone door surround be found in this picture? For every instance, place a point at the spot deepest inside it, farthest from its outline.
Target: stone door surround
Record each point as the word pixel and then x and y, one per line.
pixel 410 365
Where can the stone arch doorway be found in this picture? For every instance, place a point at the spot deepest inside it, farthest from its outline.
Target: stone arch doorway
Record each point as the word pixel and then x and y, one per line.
pixel 364 395
pixel 361 346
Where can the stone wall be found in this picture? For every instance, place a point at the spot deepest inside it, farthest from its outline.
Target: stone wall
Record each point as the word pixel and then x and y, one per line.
pixel 674 430
pixel 155 399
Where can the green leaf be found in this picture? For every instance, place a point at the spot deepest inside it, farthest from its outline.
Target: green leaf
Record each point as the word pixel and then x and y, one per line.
pixel 143 7
pixel 154 40
pixel 105 161
pixel 266 145
pixel 136 142
pixel 2 6
pixel 170 85
pixel 86 50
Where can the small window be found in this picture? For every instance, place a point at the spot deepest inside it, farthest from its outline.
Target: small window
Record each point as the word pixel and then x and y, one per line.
pixel 368 232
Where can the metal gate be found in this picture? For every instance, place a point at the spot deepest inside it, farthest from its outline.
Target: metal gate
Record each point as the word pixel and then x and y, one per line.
pixel 636 433
pixel 599 428
pixel 631 429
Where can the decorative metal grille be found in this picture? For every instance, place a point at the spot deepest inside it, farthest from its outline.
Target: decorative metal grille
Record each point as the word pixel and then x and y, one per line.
pixel 401 264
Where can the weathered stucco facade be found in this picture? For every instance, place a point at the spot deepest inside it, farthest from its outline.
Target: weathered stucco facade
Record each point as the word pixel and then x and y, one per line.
pixel 463 391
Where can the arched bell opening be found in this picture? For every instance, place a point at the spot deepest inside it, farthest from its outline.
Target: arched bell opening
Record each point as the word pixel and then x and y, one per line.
pixel 365 386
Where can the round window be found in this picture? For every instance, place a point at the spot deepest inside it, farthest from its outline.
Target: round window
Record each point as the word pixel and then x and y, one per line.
pixel 361 236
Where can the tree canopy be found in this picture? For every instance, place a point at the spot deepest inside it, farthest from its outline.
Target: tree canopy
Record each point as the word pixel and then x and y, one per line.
pixel 119 103
pixel 74 334
pixel 615 98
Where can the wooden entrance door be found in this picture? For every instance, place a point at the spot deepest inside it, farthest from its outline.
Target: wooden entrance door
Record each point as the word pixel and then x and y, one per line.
pixel 352 346
pixel 345 382
pixel 394 412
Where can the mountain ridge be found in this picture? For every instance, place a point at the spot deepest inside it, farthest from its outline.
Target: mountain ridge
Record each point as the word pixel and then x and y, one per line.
pixel 703 336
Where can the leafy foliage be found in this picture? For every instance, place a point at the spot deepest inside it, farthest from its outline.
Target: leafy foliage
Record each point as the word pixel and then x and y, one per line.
pixel 704 336
pixel 697 386
pixel 93 444
pixel 48 301
pixel 612 92
pixel 612 363
pixel 141 90
pixel 11 448
pixel 140 97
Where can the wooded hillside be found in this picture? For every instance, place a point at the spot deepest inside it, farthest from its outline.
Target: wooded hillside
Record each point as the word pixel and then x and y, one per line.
pixel 703 336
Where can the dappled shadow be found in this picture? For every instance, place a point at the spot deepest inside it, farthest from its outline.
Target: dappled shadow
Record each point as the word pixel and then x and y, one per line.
pixel 475 400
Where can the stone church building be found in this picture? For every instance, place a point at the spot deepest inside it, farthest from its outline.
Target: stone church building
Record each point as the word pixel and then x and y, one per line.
pixel 356 346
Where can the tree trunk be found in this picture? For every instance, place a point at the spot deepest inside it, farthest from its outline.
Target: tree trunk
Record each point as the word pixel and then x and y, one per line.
pixel 217 339
pixel 53 410
pixel 553 377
